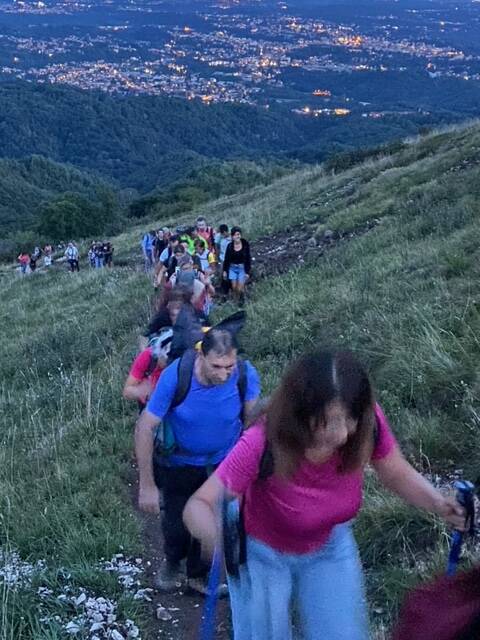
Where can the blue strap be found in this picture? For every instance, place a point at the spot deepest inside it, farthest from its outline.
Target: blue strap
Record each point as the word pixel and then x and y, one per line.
pixel 465 497
pixel 207 628
pixel 454 555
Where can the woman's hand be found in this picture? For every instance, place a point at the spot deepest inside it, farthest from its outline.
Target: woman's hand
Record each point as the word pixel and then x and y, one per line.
pixel 398 475
pixel 452 512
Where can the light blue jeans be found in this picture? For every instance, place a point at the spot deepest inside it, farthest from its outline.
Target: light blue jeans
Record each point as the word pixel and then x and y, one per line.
pixel 325 589
pixel 236 273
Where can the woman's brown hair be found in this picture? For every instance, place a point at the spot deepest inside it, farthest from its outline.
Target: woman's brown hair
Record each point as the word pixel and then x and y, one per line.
pixel 299 403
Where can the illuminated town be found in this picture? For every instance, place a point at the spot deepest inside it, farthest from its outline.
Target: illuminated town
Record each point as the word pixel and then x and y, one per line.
pixel 227 54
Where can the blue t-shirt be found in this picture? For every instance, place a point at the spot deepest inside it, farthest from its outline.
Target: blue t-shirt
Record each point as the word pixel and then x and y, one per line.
pixel 207 424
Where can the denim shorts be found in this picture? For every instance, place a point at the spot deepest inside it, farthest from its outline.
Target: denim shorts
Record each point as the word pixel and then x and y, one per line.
pixel 236 273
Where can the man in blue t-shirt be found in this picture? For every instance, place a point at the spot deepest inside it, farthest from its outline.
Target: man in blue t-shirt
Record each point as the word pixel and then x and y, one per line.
pixel 205 427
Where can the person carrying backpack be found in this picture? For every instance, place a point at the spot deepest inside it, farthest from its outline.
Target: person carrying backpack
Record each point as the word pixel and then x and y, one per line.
pixel 205 232
pixel 201 400
pixel 206 257
pixel 298 472
pixel 147 368
pixel 147 249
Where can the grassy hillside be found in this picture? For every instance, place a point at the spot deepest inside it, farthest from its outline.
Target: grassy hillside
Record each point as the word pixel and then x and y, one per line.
pixel 405 296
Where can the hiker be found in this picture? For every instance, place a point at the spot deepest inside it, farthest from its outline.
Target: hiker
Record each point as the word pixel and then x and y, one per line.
pixel 24 261
pixel 33 262
pixel 147 249
pixel 71 254
pixel 222 240
pixel 167 256
pixel 91 255
pixel 299 472
pixel 47 255
pixel 160 242
pixel 187 239
pixel 36 253
pixel 206 257
pixel 98 255
pixel 147 368
pixel 167 263
pixel 237 264
pixel 186 277
pixel 202 429
pixel 168 309
pixel 107 250
pixel 205 232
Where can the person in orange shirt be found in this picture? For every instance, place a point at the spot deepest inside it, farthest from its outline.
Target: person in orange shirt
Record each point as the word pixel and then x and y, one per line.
pixel 205 232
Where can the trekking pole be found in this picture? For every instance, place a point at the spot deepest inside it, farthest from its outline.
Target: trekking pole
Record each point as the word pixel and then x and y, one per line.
pixel 466 497
pixel 207 627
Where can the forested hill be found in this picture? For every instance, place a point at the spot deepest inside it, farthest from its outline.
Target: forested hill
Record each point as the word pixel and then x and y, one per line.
pixel 26 184
pixel 145 142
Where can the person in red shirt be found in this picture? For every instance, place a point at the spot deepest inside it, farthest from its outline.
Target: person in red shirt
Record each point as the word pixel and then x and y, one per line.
pixel 24 260
pixel 147 369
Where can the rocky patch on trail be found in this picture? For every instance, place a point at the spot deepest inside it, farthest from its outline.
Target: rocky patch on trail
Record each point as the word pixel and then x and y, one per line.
pixel 278 253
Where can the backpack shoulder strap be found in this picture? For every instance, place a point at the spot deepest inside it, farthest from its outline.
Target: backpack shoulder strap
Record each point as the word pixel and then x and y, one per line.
pixel 184 377
pixel 151 366
pixel 376 433
pixel 266 466
pixel 242 379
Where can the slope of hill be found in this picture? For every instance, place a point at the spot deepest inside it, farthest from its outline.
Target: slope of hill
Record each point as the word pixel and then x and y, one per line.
pixel 404 296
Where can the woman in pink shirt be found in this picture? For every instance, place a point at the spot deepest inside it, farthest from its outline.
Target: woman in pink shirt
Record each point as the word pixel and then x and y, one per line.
pixel 299 474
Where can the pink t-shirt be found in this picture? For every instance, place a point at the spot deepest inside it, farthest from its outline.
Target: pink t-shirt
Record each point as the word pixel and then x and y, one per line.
pixel 140 367
pixel 296 515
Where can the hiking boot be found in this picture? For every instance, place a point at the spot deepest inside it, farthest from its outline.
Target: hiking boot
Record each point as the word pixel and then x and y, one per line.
pixel 200 586
pixel 170 577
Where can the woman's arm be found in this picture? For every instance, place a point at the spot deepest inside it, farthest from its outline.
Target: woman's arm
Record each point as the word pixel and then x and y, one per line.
pixel 136 389
pixel 398 475
pixel 202 514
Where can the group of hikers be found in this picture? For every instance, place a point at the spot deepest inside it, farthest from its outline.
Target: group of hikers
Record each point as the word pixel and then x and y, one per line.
pixel 28 261
pixel 270 486
pixel 205 261
pixel 100 254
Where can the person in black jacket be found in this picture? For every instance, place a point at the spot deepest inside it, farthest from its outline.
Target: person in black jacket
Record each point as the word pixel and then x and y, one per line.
pixel 237 264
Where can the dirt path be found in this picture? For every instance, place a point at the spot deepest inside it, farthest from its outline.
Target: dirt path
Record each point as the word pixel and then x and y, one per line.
pixel 185 609
pixel 278 253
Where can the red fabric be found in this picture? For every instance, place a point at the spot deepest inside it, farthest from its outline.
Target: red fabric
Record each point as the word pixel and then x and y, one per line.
pixel 140 367
pixel 441 610
pixel 207 235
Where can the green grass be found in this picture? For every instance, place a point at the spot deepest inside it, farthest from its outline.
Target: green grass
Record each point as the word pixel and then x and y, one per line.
pixel 405 297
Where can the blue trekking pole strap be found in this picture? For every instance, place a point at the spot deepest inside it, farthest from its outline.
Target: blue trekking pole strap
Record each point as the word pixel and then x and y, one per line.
pixel 207 627
pixel 465 497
